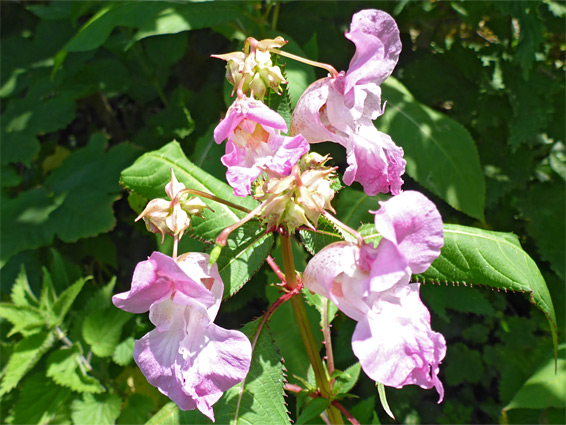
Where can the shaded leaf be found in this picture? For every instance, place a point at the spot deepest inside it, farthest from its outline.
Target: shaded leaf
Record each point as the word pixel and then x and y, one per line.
pixel 102 329
pixel 440 153
pixel 315 407
pixel 25 320
pixel 346 380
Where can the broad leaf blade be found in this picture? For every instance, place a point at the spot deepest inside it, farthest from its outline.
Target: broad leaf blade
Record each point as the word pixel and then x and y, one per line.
pixel 102 409
pixel 152 171
pixel 481 257
pixel 440 153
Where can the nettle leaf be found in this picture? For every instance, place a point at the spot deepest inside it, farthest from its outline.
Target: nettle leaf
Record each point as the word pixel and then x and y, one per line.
pixel 66 367
pixel 25 320
pixel 25 356
pixel 65 300
pixel 124 352
pixel 39 401
pixel 440 153
pixel 74 202
pixel 152 171
pixel 100 409
pixel 346 380
pixel 246 250
pixel 494 259
pixel 22 294
pixel 102 329
pixel 260 398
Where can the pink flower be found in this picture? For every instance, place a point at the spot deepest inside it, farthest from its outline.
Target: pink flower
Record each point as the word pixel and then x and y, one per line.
pixel 255 143
pixel 341 109
pixel 189 358
pixel 393 339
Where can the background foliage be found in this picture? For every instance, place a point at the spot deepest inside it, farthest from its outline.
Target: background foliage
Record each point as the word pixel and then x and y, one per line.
pixel 477 103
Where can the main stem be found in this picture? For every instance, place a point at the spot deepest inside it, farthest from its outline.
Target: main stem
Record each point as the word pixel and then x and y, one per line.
pixel 305 330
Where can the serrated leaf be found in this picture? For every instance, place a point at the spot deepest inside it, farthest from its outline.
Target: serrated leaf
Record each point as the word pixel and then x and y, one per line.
pixel 244 254
pixel 47 297
pixel 102 409
pixel 494 259
pixel 545 388
pixel 152 171
pixel 102 297
pixel 124 352
pixel 315 407
pixel 25 320
pixel 25 356
pixel 325 234
pixel 66 367
pixel 21 292
pixel 324 306
pixel 346 380
pixel 440 153
pixel 39 401
pixel 261 399
pixel 102 330
pixel 66 299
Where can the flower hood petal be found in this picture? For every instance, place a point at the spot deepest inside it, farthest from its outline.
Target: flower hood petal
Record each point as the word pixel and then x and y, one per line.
pixel 412 222
pixel 378 45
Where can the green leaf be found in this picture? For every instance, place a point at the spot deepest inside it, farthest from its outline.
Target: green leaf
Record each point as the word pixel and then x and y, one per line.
pixel 25 356
pixel 355 206
pixel 323 305
pixel 383 399
pixel 325 234
pixel 466 365
pixel 39 401
pixel 167 415
pixel 244 254
pixel 74 202
pixel 67 368
pixel 102 409
pixel 137 410
pixel 346 380
pixel 102 330
pixel 152 171
pixel 440 153
pixel 124 352
pixel 261 399
pixel 545 388
pixel 315 407
pixel 21 292
pixel 494 259
pixel 66 299
pixel 25 320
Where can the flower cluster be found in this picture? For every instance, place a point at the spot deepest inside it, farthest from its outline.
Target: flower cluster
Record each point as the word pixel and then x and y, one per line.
pixel 192 360
pixel 393 339
pixel 189 358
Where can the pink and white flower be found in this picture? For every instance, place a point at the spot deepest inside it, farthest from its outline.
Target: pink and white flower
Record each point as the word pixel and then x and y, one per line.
pixel 255 142
pixel 393 338
pixel 187 357
pixel 342 108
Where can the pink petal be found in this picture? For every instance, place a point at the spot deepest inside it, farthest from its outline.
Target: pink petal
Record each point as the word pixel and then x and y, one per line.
pixel 374 161
pixel 395 344
pixel 334 273
pixel 251 109
pixel 378 45
pixel 412 221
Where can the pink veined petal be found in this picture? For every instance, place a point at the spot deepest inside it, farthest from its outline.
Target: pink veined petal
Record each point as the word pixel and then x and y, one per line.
pixel 378 45
pixel 333 273
pixel 395 344
pixel 251 109
pixel 157 353
pixel 412 222
pixel 389 268
pixel 286 152
pixel 215 360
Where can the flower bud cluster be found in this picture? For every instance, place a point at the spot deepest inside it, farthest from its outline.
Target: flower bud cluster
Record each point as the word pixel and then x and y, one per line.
pixel 173 216
pixel 253 70
pixel 299 198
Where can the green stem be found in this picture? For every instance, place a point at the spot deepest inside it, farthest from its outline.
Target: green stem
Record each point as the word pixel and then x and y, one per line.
pixel 322 379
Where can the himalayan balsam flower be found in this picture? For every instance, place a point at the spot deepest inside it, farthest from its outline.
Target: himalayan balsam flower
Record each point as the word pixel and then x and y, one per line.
pixel 393 338
pixel 255 143
pixel 341 109
pixel 189 358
